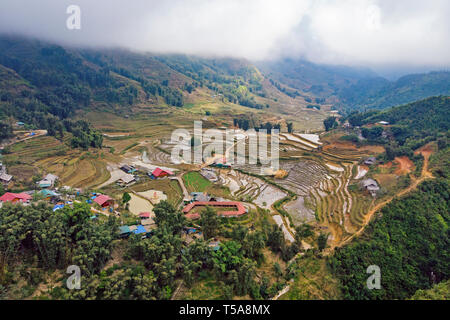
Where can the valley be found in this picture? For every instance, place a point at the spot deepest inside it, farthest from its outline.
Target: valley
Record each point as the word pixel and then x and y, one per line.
pixel 86 147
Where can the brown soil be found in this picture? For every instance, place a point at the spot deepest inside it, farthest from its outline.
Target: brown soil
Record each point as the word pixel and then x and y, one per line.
pixel 386 165
pixel 405 165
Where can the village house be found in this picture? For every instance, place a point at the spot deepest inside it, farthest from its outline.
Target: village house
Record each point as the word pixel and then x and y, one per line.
pixel 128 169
pixel 371 186
pixel 209 174
pixel 48 181
pixel 370 161
pixel 160 173
pixel 239 208
pixel 16 198
pixel 5 178
pixel 50 195
pixel 200 196
pixel 104 201
pixel 126 180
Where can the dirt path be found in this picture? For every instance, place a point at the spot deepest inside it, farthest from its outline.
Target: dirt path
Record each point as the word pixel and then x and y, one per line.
pixel 183 187
pixel 415 182
pixel 38 133
pixel 177 291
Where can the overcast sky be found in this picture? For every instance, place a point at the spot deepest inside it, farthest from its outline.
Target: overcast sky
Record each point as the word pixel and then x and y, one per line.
pixel 375 33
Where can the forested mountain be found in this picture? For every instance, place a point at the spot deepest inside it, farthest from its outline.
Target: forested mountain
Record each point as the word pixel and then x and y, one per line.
pixel 322 81
pixel 410 126
pixel 43 84
pixel 380 93
pixel 355 88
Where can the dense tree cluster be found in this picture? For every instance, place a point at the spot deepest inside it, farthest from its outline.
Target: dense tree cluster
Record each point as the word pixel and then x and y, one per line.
pixel 64 85
pixel 330 123
pixel 379 93
pixel 6 130
pixel 53 239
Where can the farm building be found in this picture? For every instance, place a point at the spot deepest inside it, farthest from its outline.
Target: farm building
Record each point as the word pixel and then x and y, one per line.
pixel 16 197
pixel 239 208
pixel 384 123
pixel 159 173
pixel 371 186
pixel 370 161
pixel 5 178
pixel 104 201
pixel 49 194
pixel 127 180
pixel 145 215
pixel 48 181
pixel 128 169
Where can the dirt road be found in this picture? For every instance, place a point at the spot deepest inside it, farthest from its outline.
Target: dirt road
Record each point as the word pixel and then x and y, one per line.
pixel 38 133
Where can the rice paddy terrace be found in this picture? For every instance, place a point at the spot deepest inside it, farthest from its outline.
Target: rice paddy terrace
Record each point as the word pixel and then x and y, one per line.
pixel 316 184
pixel 314 187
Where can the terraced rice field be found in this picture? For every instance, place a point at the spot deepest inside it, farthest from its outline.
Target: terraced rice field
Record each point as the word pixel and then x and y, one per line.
pixel 302 175
pixel 299 212
pixel 343 211
pixel 249 188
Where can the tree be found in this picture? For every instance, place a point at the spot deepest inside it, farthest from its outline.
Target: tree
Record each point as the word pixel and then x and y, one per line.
pixel 322 241
pixel 275 238
pixel 330 123
pixel 290 127
pixel 126 198
pixel 210 223
pixel 168 218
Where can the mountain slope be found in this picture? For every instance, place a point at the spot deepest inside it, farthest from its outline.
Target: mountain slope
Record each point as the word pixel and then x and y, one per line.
pixel 380 93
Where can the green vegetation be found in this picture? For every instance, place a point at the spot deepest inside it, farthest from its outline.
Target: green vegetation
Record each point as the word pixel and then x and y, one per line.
pixel 195 182
pixel 439 291
pixel 380 93
pixel 411 126
pixel 330 123
pixel 46 241
pixel 409 243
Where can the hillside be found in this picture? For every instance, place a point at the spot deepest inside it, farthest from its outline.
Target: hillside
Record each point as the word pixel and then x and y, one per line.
pixel 62 81
pixel 408 238
pixel 352 89
pixel 379 93
pixel 410 126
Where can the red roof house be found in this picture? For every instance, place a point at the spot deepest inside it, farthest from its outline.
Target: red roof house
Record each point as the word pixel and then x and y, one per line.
pixel 104 201
pixel 158 173
pixel 240 209
pixel 145 215
pixel 15 197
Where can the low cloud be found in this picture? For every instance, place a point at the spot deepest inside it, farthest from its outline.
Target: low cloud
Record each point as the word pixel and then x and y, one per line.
pixel 352 32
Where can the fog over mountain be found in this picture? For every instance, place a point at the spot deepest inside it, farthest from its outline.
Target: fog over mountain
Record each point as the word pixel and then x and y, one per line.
pixel 388 36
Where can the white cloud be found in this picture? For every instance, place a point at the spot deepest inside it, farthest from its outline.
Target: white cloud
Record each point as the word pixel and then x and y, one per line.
pixel 371 32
